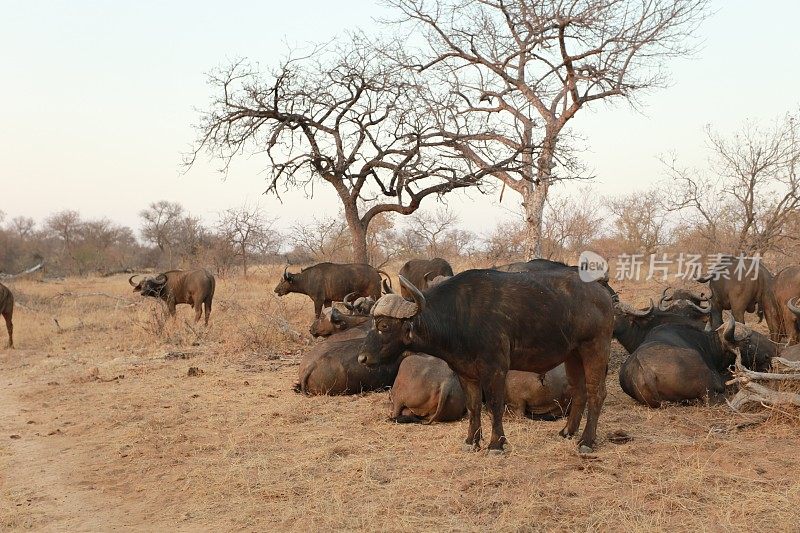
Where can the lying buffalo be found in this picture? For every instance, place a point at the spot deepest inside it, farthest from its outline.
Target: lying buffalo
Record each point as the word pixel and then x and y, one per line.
pixel 420 272
pixel 7 310
pixel 685 302
pixel 538 396
pixel 326 283
pixel 745 284
pixel 332 367
pixel 631 326
pixel 331 320
pixel 484 323
pixel 679 362
pixel 193 287
pixel 426 390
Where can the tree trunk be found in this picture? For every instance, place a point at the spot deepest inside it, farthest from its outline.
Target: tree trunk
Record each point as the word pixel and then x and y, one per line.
pixel 244 259
pixel 534 199
pixel 358 233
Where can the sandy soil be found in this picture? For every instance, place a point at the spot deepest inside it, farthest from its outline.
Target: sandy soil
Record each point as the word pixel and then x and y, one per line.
pixel 102 428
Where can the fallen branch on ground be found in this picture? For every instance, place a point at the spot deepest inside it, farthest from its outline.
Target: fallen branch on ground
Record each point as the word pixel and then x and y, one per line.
pixel 750 391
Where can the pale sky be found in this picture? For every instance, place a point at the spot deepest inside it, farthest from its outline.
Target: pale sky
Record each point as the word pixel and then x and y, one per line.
pixel 98 99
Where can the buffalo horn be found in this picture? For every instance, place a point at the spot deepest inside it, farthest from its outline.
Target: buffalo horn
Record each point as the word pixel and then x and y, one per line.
pixel 735 332
pixel 387 289
pixel 419 298
pixel 793 306
pixel 394 306
pixel 160 279
pixel 130 280
pixel 704 310
pixel 630 310
pixel 285 274
pixel 348 303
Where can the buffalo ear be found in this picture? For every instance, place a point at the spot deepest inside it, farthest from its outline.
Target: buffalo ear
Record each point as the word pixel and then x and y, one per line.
pixel 407 332
pixel 336 316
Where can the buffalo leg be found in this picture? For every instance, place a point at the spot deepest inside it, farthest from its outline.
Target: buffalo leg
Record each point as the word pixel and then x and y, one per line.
pixel 318 307
pixel 10 328
pixel 207 305
pixel 472 391
pixel 594 357
pixel 576 380
pixel 198 312
pixel 494 390
pixel 738 314
pixel 716 314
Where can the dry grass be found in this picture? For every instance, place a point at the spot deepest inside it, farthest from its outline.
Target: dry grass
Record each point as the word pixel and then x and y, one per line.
pixel 114 434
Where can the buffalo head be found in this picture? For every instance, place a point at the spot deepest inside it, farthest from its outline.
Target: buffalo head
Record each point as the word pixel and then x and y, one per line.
pixel 685 303
pixel 626 316
pixel 392 330
pixel 756 349
pixel 285 286
pixel 329 321
pixel 150 286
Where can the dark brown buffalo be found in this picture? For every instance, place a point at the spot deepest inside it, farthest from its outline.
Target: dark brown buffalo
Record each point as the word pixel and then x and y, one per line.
pixel 679 362
pixel 484 323
pixel 685 302
pixel 332 367
pixel 538 396
pixel 786 287
pixel 426 390
pixel 420 272
pixel 326 283
pixel 7 310
pixel 756 291
pixel 193 287
pixel 331 321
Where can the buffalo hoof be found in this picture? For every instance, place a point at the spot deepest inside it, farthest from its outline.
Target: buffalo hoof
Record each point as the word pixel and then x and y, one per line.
pixel 584 449
pixel 563 433
pixel 468 447
pixel 496 451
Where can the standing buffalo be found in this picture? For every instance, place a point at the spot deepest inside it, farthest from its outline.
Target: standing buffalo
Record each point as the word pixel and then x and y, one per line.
pixel 484 323
pixel 538 396
pixel 421 272
pixel 325 283
pixel 787 289
pixel 745 284
pixel 7 310
pixel 332 367
pixel 426 390
pixel 193 287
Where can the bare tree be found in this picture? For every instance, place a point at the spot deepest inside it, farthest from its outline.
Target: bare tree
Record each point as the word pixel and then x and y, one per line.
pixel 640 221
pixel 431 230
pixel 572 223
pixel 160 223
pixel 321 239
pixel 345 116
pixel 527 68
pixel 248 231
pixel 22 226
pixel 750 194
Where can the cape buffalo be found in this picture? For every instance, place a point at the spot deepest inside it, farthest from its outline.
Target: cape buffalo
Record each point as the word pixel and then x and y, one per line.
pixel 7 310
pixel 786 287
pixel 331 320
pixel 193 287
pixel 326 283
pixel 686 303
pixel 421 271
pixel 426 390
pixel 745 284
pixel 679 362
pixel 332 367
pixel 538 396
pixel 484 323
pixel 631 326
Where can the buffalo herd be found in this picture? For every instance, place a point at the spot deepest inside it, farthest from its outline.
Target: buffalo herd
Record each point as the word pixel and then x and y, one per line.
pixel 529 338
pixel 449 344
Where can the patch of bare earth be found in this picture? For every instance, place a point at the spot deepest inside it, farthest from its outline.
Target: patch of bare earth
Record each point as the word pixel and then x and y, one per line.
pixel 98 432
